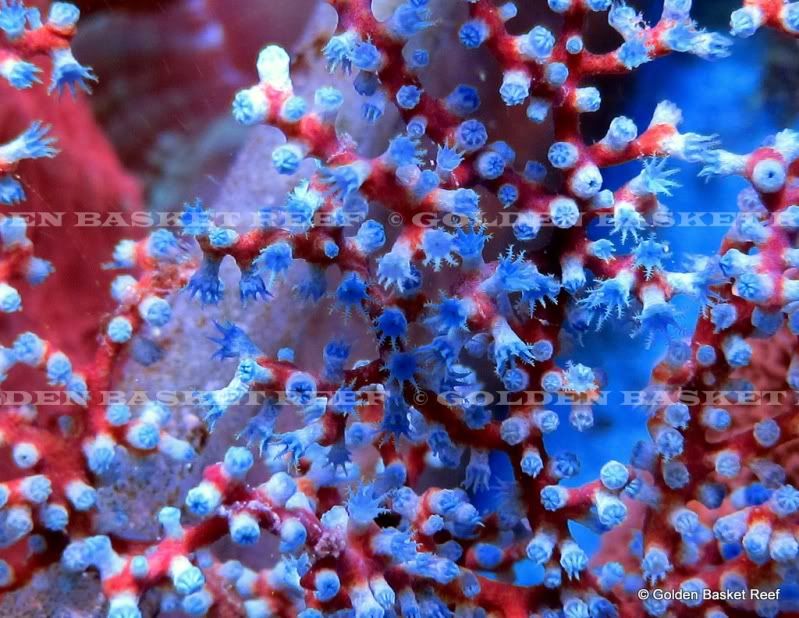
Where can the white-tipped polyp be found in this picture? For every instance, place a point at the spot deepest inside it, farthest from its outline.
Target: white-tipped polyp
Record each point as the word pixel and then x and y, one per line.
pixel 63 15
pixel 257 608
pixel 723 163
pixel 273 67
pixel 676 9
pixel 123 606
pixel 169 518
pixel 10 300
pixel 280 488
pixel 746 21
pixel 787 144
pixel 250 106
pixel 667 113
pixel 789 16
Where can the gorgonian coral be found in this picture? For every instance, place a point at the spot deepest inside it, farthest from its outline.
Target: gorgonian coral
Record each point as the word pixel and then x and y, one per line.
pixel 363 527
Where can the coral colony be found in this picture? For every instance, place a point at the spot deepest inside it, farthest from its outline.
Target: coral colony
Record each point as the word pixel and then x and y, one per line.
pixel 359 534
